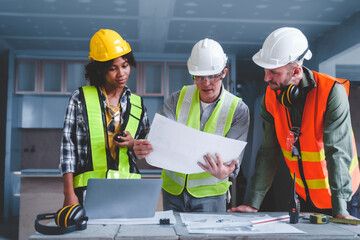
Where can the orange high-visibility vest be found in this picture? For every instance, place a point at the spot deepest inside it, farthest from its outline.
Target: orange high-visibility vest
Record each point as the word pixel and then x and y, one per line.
pixel 311 141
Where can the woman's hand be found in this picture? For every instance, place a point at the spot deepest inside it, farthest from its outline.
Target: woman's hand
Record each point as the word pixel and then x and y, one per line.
pixel 126 141
pixel 70 197
pixel 142 148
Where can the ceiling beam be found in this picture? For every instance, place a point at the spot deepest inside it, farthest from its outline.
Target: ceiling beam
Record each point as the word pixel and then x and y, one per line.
pixel 259 21
pixel 163 13
pixel 154 23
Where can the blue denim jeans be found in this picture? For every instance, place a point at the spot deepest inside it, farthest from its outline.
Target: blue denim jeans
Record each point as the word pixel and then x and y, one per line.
pixel 352 205
pixel 185 202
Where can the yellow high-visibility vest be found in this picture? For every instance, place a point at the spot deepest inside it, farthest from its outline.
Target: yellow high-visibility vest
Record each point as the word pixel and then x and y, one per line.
pixel 97 139
pixel 188 112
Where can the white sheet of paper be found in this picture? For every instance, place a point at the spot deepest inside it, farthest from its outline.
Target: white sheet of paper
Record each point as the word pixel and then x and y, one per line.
pixel 271 228
pixel 235 224
pixel 179 148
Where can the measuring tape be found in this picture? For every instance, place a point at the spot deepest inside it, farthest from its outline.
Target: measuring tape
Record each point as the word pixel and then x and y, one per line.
pixel 319 218
pixel 346 221
pixel 322 219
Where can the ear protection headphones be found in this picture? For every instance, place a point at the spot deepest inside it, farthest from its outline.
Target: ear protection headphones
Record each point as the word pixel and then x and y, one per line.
pixel 289 95
pixel 67 219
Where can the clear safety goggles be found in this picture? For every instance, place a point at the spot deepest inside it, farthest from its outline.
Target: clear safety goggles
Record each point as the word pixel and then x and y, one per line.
pixel 210 78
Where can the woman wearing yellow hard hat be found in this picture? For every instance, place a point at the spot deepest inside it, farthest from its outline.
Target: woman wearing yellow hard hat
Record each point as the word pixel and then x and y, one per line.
pixel 102 120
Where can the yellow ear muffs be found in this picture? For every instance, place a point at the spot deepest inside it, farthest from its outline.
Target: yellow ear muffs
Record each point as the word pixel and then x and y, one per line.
pixel 67 219
pixel 289 95
pixel 65 216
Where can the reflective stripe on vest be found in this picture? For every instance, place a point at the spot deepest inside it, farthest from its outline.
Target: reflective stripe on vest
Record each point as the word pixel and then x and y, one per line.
pixel 131 126
pixel 188 112
pixel 311 141
pixel 97 139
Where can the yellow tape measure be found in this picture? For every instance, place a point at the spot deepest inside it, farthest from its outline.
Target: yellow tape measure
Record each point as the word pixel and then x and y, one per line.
pixel 322 219
pixel 319 218
pixel 345 221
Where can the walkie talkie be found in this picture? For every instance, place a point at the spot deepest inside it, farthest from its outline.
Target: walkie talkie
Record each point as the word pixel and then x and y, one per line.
pixel 294 205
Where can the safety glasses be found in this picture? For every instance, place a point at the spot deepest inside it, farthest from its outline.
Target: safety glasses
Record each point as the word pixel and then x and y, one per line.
pixel 210 78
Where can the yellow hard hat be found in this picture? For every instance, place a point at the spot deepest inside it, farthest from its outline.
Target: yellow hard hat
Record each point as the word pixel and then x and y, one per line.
pixel 107 44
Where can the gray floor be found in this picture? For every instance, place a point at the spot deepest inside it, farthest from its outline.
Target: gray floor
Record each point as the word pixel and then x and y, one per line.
pixel 38 195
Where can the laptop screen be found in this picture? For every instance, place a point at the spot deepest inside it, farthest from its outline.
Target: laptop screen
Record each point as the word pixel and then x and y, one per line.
pixel 122 198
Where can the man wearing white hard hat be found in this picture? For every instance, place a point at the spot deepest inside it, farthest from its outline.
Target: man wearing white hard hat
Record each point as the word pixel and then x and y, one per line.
pixel 206 99
pixel 306 118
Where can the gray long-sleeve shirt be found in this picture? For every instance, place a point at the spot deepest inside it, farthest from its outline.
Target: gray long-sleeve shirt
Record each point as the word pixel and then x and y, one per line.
pixel 337 137
pixel 239 126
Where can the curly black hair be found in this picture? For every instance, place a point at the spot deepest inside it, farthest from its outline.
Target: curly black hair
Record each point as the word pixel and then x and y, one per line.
pixel 95 71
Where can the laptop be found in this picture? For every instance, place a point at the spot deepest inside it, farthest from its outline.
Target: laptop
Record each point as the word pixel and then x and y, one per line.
pixel 122 198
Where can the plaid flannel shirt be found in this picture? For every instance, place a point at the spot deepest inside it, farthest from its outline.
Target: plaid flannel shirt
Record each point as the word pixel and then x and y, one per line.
pixel 75 143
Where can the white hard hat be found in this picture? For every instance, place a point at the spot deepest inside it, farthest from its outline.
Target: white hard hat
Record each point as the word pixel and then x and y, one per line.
pixel 207 58
pixel 283 46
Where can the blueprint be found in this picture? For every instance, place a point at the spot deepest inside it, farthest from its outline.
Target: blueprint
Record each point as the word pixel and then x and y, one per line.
pixel 237 224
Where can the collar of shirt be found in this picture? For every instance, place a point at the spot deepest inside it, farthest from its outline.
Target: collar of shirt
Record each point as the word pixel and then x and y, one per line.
pixel 123 100
pixel 307 81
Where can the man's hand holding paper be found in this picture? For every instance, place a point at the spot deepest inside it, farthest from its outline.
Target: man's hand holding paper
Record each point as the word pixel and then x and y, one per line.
pixel 217 168
pixel 179 148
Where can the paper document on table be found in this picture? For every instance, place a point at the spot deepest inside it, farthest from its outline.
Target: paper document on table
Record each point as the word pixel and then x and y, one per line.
pixel 236 224
pixel 179 148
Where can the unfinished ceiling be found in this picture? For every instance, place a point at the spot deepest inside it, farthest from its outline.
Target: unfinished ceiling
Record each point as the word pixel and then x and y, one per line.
pixel 164 26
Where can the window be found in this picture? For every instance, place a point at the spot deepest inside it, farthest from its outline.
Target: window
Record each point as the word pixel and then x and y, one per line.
pixel 49 77
pixel 26 75
pixel 153 79
pixel 132 81
pixel 177 77
pixel 75 77
pixel 150 79
pixel 52 76
pixel 64 77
